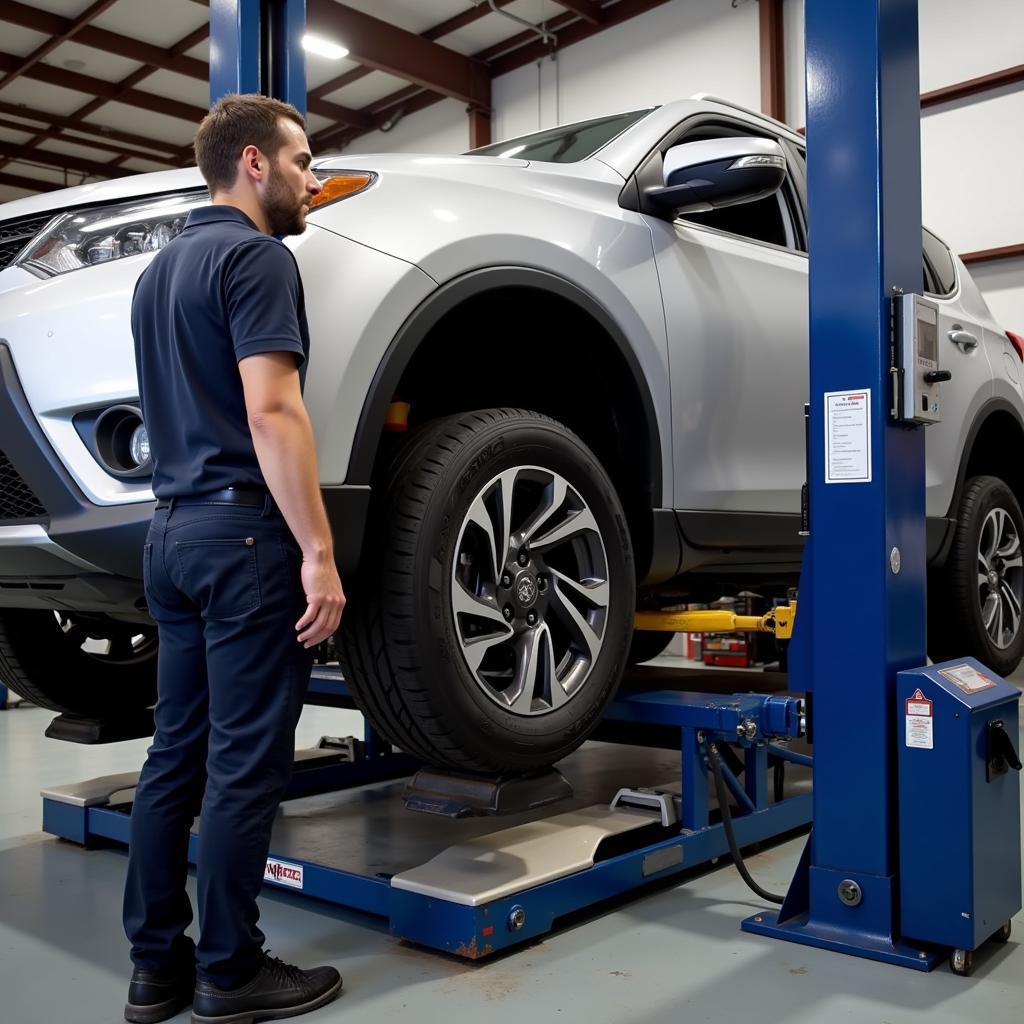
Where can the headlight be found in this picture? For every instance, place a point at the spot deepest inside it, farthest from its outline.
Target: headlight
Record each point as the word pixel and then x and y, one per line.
pixel 83 238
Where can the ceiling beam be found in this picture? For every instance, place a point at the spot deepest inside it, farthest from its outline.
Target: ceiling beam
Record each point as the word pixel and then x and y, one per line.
pixel 106 91
pixel 385 47
pixel 437 32
pixel 86 127
pixel 586 9
pixel 106 146
pixel 62 161
pixel 73 27
pixel 30 184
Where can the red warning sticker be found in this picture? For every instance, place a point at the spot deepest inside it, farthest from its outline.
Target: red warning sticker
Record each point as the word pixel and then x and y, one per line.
pixel 919 704
pixel 920 722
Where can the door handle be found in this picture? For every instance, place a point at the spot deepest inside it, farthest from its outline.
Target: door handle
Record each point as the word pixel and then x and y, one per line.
pixel 964 339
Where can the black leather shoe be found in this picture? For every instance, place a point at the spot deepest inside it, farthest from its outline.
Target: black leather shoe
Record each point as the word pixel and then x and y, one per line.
pixel 155 997
pixel 278 990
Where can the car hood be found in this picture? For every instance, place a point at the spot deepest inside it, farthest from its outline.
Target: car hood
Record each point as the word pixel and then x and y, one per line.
pixel 118 189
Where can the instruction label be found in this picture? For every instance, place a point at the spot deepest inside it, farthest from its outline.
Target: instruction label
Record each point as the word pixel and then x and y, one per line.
pixel 283 873
pixel 920 721
pixel 848 437
pixel 970 680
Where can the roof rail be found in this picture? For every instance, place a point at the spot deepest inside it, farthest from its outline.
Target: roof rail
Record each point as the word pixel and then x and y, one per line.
pixel 746 110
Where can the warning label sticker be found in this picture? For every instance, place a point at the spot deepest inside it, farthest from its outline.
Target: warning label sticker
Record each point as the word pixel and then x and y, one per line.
pixel 970 680
pixel 920 721
pixel 920 731
pixel 283 873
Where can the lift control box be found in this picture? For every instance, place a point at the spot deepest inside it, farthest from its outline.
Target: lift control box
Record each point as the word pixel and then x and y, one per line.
pixel 917 394
pixel 959 803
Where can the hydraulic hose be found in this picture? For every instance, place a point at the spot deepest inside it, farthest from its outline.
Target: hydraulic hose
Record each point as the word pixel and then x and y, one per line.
pixel 715 761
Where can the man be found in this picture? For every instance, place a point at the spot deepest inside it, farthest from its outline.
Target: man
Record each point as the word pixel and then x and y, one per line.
pixel 238 567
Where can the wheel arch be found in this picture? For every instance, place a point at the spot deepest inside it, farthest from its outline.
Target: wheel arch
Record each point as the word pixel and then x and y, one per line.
pixel 423 365
pixel 997 426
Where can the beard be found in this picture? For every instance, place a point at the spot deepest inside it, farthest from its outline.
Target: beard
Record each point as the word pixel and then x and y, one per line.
pixel 283 211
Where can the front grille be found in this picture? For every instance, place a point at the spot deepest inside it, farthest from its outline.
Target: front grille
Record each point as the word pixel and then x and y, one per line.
pixel 17 500
pixel 16 234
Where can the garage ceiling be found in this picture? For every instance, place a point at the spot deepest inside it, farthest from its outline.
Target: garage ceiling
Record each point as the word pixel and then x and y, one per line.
pixel 92 89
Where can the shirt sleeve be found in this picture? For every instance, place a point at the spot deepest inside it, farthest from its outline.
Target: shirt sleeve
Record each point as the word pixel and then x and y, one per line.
pixel 262 295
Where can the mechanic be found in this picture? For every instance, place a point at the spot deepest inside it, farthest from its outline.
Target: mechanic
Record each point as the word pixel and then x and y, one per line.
pixel 238 567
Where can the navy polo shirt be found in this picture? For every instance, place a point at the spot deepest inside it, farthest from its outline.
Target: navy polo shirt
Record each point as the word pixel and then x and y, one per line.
pixel 222 290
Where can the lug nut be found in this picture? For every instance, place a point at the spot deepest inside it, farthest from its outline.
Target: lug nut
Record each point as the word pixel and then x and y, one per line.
pixel 507 612
pixel 506 580
pixel 532 618
pixel 524 558
pixel 542 583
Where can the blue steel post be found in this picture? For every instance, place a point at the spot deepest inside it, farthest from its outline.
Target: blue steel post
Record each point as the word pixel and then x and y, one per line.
pixel 867 545
pixel 256 46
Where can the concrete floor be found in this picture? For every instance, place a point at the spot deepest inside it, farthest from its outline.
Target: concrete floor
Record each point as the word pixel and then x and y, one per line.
pixel 675 954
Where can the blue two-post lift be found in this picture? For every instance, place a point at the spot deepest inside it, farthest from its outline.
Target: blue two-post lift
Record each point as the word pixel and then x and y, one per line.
pixel 864 672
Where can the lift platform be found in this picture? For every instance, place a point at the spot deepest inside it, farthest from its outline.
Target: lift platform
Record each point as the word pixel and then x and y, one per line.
pixel 479 882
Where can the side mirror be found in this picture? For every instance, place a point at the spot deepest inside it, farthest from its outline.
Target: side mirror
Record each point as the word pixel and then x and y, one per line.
pixel 711 173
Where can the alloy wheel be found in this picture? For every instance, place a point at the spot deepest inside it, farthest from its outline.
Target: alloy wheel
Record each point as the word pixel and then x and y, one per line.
pixel 530 590
pixel 1000 577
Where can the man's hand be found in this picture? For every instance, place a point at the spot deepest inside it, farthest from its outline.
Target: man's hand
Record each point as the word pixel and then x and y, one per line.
pixel 325 601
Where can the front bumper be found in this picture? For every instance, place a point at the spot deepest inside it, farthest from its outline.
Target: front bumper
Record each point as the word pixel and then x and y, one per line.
pixel 76 554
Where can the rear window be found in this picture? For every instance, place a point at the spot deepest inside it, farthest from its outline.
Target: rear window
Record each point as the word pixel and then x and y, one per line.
pixel 939 272
pixel 567 143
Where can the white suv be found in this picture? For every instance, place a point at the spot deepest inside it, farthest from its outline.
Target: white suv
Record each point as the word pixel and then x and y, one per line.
pixel 553 381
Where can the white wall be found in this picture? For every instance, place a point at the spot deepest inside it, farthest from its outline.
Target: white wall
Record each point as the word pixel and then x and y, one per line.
pixel 442 128
pixel 671 52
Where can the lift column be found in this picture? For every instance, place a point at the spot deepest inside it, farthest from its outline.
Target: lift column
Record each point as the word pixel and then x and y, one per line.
pixel 863 580
pixel 256 46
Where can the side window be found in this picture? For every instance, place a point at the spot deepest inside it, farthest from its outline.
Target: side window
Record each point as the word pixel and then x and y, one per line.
pixel 939 271
pixel 772 219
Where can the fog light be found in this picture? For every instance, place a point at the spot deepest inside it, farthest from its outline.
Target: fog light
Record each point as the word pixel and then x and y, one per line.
pixel 138 446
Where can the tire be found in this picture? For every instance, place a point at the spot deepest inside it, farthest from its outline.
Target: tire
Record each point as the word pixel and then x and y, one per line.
pixel 969 615
pixel 425 646
pixel 647 644
pixel 88 665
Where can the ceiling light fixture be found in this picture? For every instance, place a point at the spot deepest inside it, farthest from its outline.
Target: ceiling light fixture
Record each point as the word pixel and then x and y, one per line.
pixel 323 47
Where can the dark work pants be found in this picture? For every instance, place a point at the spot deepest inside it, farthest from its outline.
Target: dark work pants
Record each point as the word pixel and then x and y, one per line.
pixel 222 583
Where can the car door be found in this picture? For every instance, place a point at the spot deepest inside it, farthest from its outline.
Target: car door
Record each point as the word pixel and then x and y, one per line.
pixel 970 353
pixel 734 283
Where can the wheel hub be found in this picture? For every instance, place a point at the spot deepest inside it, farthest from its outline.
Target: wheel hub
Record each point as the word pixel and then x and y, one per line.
pixel 526 590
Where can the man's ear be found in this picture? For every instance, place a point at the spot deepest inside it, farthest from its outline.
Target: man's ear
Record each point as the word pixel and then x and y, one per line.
pixel 253 163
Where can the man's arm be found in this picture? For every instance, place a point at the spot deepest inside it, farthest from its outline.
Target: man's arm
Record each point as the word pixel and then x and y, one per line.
pixel 283 438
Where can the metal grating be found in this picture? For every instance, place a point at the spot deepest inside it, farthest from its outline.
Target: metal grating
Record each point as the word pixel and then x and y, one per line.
pixel 17 500
pixel 16 234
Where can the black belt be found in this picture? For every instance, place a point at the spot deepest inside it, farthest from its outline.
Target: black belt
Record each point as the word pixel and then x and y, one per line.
pixel 253 497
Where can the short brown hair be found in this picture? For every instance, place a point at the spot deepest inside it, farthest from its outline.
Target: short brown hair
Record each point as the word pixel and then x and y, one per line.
pixel 234 122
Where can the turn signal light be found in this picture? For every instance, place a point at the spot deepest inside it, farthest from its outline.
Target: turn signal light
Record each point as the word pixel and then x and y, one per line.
pixel 1018 343
pixel 340 186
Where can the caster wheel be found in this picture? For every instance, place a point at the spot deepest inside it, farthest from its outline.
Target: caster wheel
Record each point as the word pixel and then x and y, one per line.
pixel 962 962
pixel 1003 935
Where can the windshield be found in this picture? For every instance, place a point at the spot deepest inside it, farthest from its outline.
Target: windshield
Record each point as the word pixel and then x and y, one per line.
pixel 567 143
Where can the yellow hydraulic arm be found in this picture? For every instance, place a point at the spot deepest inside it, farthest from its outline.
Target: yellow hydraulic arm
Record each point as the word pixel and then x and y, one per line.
pixel 778 621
